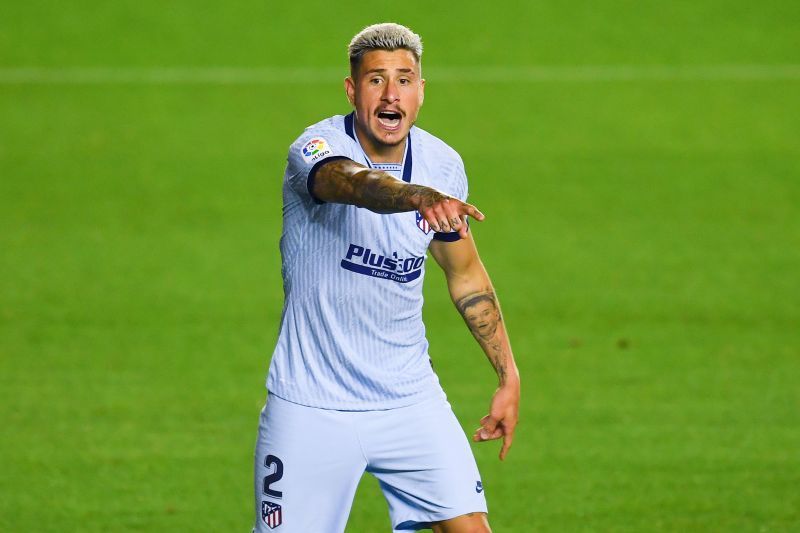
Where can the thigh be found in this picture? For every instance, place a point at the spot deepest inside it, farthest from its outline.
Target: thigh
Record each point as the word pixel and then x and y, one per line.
pixel 307 465
pixel 424 464
pixel 468 523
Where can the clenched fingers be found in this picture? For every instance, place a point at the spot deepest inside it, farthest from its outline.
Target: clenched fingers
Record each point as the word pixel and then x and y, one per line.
pixel 483 434
pixel 492 429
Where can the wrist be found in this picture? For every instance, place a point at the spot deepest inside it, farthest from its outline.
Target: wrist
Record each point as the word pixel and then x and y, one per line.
pixel 424 197
pixel 415 200
pixel 419 196
pixel 510 380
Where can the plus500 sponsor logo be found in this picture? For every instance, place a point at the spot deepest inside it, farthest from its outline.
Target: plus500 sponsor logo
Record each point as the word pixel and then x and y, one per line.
pixel 364 261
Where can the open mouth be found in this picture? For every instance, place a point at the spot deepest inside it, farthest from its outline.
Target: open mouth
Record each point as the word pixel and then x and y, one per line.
pixel 389 119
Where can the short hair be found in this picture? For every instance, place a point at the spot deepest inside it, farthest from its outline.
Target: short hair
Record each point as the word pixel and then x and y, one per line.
pixel 386 36
pixel 478 298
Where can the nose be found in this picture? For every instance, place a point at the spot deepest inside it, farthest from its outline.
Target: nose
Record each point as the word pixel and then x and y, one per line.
pixel 390 92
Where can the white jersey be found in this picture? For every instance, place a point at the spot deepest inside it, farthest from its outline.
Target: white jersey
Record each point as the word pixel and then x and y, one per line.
pixel 351 334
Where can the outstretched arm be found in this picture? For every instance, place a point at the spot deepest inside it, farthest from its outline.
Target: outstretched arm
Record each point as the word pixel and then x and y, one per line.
pixel 473 295
pixel 346 182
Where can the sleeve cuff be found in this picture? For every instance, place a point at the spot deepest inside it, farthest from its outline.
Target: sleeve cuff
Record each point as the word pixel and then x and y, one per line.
pixel 312 174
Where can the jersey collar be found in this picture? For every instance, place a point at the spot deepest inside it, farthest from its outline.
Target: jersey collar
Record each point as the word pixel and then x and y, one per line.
pixel 349 129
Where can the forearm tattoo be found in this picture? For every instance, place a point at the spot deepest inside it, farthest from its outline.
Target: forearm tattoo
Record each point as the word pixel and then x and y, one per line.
pixel 481 312
pixel 384 193
pixel 374 189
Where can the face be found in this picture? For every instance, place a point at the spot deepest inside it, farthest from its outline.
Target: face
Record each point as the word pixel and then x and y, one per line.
pixel 483 318
pixel 386 92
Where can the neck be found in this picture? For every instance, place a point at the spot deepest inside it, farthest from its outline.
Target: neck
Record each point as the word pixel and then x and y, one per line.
pixel 380 153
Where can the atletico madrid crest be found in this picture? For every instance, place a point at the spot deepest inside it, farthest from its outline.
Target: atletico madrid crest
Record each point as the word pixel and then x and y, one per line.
pixel 271 514
pixel 422 224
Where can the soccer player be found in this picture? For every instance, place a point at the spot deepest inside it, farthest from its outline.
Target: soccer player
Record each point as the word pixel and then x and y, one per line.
pixel 351 385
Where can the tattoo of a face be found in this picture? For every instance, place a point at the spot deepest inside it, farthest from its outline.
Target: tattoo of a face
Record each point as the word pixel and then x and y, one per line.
pixel 482 314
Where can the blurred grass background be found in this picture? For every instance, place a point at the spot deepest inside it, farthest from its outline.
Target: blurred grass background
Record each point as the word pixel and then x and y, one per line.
pixel 643 233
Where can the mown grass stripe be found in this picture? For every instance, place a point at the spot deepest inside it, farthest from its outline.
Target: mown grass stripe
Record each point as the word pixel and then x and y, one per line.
pixel 309 75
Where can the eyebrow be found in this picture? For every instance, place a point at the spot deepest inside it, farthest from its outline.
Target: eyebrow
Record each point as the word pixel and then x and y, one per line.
pixel 382 70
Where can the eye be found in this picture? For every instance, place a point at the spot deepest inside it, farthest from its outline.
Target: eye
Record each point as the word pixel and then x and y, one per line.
pixel 404 81
pixel 375 81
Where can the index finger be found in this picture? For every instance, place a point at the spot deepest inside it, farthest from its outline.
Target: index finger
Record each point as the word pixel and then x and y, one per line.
pixel 507 440
pixel 471 210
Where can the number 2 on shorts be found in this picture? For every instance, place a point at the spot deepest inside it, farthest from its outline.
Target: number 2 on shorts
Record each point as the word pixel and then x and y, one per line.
pixel 273 477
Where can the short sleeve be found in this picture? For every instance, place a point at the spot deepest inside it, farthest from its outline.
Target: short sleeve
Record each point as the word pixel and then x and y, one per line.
pixel 309 152
pixel 458 188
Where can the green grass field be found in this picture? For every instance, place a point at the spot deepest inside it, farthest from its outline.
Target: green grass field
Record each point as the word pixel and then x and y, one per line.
pixel 639 166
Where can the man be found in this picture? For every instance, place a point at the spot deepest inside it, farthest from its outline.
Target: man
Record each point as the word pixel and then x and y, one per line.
pixel 351 387
pixel 482 315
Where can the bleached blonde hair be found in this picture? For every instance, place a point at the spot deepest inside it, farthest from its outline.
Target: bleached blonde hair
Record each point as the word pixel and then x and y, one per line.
pixel 384 36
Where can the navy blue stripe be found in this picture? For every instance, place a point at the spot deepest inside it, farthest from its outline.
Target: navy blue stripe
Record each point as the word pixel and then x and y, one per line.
pixel 312 174
pixel 348 125
pixel 447 237
pixel 407 163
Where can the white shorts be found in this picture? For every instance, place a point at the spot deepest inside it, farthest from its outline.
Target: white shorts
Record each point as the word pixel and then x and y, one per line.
pixel 309 461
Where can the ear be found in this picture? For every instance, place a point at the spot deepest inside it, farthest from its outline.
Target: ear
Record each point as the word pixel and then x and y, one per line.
pixel 421 91
pixel 350 90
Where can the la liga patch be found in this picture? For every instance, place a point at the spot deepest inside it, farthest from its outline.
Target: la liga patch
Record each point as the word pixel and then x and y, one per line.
pixel 316 149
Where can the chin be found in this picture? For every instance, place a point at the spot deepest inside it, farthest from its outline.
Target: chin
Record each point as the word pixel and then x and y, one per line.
pixel 394 139
pixel 390 139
